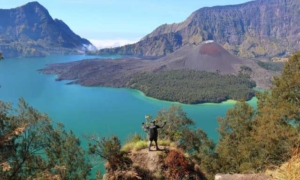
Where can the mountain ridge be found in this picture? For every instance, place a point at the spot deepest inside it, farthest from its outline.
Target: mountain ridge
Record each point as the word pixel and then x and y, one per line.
pixel 253 29
pixel 29 30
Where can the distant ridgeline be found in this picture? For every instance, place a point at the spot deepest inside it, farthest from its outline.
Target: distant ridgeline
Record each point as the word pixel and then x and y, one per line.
pixel 260 28
pixel 193 87
pixel 29 31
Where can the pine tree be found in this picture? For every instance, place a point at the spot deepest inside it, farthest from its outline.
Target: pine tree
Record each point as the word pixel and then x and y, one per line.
pixel 286 90
pixel 253 140
pixel 234 148
pixel 36 148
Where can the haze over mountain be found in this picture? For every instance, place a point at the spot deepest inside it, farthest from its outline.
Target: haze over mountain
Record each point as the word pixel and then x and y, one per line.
pixel 254 29
pixel 29 30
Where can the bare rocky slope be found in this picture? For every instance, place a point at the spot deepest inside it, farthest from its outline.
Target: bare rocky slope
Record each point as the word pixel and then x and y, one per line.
pixel 242 177
pixel 29 30
pixel 260 28
pixel 155 165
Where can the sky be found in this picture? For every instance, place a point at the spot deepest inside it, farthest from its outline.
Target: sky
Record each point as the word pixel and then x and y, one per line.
pixel 110 23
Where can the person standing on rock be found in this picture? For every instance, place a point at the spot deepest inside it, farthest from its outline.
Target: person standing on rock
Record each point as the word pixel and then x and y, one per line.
pixel 153 133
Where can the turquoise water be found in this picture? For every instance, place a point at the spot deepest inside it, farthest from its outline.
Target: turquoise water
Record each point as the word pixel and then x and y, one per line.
pixel 87 110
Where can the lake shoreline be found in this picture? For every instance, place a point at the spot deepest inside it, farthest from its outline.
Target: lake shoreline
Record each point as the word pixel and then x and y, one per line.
pixel 142 94
pixel 119 74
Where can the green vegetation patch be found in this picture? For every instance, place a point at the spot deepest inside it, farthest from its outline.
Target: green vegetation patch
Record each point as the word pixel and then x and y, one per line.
pixel 193 87
pixel 271 66
pixel 135 146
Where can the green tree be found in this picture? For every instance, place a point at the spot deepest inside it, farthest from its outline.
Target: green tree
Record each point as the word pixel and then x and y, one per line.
pixel 234 148
pixel 201 150
pixel 177 123
pixel 276 130
pixel 1 56
pixel 194 141
pixel 66 155
pixel 286 89
pixel 252 141
pixel 109 149
pixel 273 135
pixel 38 148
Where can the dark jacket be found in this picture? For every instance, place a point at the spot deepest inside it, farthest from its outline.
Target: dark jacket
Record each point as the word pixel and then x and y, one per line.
pixel 153 130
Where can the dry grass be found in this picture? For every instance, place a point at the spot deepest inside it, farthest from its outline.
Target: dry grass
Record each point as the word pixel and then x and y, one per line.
pixel 138 145
pixel 164 142
pixel 289 170
pixel 135 146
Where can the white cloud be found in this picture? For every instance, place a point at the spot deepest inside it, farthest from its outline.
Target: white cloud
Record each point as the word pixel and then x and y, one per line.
pixel 109 43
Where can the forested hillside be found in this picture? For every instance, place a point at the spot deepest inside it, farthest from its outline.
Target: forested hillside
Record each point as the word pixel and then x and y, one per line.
pixel 193 87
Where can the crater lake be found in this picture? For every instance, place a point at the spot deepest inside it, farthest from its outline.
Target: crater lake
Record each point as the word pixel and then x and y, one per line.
pixel 86 110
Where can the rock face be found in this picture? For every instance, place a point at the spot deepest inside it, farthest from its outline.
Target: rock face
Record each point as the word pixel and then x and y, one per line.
pixel 254 29
pixel 242 177
pixel 29 30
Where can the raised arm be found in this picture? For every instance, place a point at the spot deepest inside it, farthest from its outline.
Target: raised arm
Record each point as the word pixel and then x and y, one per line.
pixel 162 125
pixel 145 127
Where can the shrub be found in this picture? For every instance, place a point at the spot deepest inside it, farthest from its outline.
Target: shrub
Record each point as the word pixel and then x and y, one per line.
pixel 127 147
pixel 110 150
pixel 164 142
pixel 289 170
pixel 177 164
pixel 140 145
pixel 135 138
pixel 134 146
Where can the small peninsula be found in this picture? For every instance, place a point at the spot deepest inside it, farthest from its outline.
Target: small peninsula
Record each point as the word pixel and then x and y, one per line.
pixel 193 74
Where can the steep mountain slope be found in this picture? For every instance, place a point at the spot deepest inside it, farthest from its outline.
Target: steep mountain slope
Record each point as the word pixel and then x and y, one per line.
pixel 29 30
pixel 153 46
pixel 257 28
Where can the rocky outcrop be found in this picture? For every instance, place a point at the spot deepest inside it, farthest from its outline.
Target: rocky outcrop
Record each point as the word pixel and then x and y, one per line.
pixel 254 29
pixel 167 163
pixel 242 177
pixel 29 30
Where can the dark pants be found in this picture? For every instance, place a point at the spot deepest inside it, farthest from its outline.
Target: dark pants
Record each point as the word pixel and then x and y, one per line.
pixel 153 139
